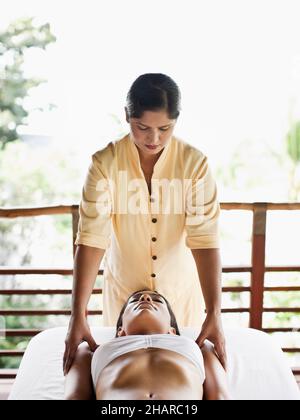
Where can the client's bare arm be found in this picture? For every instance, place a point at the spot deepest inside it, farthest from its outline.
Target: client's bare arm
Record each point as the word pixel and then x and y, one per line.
pixel 78 381
pixel 216 385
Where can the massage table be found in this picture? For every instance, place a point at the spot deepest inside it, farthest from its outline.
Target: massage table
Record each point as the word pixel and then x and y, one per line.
pixel 257 368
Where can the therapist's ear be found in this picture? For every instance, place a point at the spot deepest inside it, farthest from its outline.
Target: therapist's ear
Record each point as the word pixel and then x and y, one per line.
pixel 172 331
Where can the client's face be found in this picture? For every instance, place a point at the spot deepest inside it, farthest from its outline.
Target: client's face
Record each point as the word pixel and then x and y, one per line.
pixel 146 313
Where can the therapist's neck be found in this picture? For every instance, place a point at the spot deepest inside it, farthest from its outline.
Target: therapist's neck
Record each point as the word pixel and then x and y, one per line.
pixel 147 159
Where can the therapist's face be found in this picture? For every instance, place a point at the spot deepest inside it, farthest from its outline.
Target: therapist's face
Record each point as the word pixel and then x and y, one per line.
pixel 154 128
pixel 146 313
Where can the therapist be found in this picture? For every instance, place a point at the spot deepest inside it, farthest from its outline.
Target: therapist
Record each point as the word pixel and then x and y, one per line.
pixel 150 211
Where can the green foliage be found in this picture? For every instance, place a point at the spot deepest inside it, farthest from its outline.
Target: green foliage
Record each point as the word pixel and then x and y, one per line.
pixel 19 37
pixel 31 177
pixel 293 143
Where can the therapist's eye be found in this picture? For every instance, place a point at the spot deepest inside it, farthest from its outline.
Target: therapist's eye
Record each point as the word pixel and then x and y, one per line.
pixel 161 129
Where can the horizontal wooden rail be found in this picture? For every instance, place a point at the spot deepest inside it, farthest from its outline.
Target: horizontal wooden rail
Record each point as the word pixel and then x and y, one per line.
pixel 69 271
pixel 8 373
pixel 236 289
pixel 291 350
pixel 235 310
pixel 12 353
pixel 5 271
pixel 237 269
pixel 285 330
pixel 292 310
pixel 283 289
pixel 12 292
pixel 51 210
pixel 20 332
pixel 282 268
pixel 37 211
pixel 251 206
pixel 42 312
pixel 233 289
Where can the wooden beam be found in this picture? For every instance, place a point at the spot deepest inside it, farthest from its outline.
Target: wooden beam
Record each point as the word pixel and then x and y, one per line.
pixel 5 271
pixel 283 289
pixel 41 312
pixel 236 289
pixel 287 310
pixel 8 373
pixel 258 265
pixel 35 211
pixel 250 206
pixel 285 330
pixel 12 353
pixel 283 268
pixel 19 333
pixel 12 292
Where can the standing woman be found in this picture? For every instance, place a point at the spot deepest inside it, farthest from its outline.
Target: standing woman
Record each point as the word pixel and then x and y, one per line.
pixel 138 211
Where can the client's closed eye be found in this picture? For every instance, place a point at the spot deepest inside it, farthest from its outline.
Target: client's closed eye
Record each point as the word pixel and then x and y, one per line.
pixel 155 299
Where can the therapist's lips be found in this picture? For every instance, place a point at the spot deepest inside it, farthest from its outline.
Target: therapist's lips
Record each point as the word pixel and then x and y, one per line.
pixel 151 147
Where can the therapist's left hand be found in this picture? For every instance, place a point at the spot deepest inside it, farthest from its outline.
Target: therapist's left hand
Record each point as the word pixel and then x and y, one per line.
pixel 212 330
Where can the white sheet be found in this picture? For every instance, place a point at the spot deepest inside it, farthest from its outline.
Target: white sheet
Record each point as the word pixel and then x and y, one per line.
pixel 257 368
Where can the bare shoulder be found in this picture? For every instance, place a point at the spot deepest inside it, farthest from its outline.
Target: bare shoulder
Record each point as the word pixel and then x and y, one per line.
pixel 83 353
pixel 207 348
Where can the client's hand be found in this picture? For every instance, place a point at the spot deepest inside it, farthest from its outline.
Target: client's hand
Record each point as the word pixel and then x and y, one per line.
pixel 212 330
pixel 78 332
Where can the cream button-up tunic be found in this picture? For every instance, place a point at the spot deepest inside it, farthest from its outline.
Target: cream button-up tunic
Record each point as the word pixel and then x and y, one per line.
pixel 148 239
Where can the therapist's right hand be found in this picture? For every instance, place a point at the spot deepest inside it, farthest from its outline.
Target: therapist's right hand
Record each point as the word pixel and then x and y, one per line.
pixel 78 332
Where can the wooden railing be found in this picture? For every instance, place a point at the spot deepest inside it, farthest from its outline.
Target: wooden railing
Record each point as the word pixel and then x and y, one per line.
pixel 256 289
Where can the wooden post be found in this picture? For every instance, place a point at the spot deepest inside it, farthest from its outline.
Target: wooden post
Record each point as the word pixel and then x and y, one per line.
pixel 75 221
pixel 258 265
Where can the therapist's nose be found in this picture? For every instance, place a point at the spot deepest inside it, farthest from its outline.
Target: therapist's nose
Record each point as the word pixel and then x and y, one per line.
pixel 153 138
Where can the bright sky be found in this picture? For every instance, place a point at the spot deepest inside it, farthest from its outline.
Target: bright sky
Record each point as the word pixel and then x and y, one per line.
pixel 236 62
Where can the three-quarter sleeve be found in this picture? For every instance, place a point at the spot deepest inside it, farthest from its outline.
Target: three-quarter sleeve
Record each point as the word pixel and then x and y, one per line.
pixel 94 225
pixel 202 209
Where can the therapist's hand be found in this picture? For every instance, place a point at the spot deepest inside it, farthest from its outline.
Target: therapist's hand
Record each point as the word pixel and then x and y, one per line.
pixel 78 332
pixel 212 330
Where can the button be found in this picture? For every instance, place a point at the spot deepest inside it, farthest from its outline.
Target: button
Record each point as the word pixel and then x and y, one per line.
pixel 154 220
pixel 153 275
pixel 154 257
pixel 154 239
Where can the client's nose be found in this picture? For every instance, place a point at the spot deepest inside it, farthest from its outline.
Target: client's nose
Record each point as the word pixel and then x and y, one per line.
pixel 145 297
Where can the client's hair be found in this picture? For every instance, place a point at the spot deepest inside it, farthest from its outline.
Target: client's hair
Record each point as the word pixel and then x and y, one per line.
pixel 173 318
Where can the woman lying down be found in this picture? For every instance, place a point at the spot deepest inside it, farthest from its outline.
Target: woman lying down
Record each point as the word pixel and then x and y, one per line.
pixel 147 360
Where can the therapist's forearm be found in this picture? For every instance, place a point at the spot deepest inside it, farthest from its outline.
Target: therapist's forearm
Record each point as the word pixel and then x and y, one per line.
pixel 86 265
pixel 209 268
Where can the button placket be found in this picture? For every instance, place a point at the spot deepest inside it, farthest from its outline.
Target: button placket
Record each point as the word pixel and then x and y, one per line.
pixel 153 221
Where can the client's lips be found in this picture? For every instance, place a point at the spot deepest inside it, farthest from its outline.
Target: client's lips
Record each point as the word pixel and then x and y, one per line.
pixel 145 303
